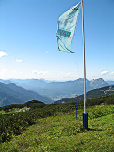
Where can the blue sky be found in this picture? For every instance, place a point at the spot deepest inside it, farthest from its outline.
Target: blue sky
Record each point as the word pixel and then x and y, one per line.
pixel 28 43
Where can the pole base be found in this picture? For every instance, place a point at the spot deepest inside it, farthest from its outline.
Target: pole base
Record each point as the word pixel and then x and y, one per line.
pixel 85 120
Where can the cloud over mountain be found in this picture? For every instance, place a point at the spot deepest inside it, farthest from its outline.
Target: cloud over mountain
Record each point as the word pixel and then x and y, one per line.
pixel 104 72
pixel 112 73
pixel 39 72
pixel 68 73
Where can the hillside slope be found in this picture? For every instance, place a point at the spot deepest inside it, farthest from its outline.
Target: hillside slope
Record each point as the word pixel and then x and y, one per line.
pixel 13 94
pixel 63 133
pixel 108 90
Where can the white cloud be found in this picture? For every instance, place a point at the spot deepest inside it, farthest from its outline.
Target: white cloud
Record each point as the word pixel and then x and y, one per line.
pixel 68 73
pixel 112 73
pixel 18 60
pixel 2 53
pixel 104 72
pixel 39 72
pixel 42 72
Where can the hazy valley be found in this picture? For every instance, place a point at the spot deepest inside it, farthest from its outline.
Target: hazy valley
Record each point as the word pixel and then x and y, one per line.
pixel 58 90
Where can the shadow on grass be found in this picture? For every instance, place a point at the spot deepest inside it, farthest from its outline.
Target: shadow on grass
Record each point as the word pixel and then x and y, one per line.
pixel 93 129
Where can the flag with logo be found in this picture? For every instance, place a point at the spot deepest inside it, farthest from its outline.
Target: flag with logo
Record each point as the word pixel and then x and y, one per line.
pixel 66 27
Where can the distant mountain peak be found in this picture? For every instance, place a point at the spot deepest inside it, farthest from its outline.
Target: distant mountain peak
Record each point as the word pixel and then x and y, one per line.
pixel 97 83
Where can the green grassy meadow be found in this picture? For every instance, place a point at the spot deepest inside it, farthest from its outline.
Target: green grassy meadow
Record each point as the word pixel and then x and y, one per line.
pixel 63 133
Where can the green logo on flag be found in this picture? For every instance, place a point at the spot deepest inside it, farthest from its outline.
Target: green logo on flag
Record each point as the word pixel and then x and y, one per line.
pixel 64 33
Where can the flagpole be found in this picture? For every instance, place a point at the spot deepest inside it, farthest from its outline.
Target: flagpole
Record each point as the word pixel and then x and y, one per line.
pixel 85 115
pixel 84 59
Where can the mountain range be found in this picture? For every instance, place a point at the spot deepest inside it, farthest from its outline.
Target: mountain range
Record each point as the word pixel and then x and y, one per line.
pixel 58 90
pixel 23 90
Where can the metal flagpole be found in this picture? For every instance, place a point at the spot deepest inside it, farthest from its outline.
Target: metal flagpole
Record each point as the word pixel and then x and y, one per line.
pixel 84 59
pixel 85 114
